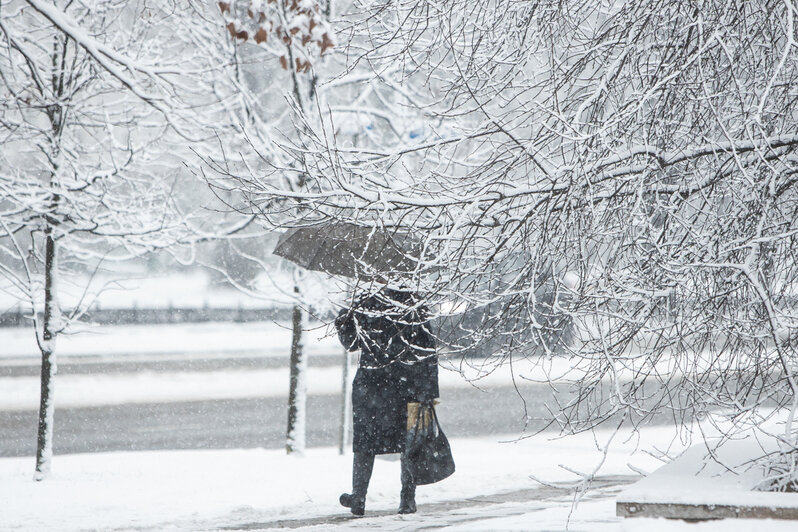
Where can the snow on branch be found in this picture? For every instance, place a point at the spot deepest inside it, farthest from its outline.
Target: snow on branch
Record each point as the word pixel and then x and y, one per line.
pixel 120 66
pixel 101 53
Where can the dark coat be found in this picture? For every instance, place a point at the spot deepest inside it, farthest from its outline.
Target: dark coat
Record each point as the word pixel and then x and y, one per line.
pixel 398 365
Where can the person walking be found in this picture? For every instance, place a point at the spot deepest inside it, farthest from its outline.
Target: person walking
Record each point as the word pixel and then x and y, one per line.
pixel 398 365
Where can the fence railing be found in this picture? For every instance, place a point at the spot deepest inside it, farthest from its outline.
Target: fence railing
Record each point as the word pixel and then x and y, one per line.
pixel 147 316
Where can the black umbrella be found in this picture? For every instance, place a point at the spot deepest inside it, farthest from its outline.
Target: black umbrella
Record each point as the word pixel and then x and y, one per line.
pixel 349 249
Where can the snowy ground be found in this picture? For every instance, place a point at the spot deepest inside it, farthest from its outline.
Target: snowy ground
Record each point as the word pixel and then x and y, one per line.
pixel 255 489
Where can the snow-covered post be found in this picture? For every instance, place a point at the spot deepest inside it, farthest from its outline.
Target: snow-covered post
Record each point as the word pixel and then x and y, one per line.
pixel 297 393
pixel 346 404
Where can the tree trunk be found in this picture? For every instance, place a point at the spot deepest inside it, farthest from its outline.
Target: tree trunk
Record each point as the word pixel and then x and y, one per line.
pixel 297 394
pixel 44 442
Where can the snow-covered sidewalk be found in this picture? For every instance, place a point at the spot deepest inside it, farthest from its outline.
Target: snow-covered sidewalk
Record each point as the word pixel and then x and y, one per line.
pixel 257 489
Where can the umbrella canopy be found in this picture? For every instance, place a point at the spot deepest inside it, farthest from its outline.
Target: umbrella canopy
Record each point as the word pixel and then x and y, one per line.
pixel 349 249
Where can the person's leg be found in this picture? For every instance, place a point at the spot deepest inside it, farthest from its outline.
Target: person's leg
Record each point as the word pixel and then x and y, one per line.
pixel 407 504
pixel 362 466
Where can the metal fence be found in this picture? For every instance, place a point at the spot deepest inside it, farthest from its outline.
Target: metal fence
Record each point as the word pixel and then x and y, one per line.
pixel 146 316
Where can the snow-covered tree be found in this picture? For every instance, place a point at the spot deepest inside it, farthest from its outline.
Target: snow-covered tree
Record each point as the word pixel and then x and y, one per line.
pixel 99 103
pixel 623 170
pixel 277 46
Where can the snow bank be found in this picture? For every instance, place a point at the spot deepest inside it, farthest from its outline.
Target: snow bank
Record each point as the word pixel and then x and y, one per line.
pixel 726 477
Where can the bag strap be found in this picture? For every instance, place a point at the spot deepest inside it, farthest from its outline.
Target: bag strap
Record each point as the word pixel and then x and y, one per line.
pixel 419 424
pixel 434 414
pixel 419 418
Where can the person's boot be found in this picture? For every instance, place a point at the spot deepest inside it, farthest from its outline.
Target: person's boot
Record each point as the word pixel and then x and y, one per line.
pixel 357 505
pixel 407 501
pixel 362 465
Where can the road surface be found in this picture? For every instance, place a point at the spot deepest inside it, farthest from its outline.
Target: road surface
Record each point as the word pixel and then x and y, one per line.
pixel 240 423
